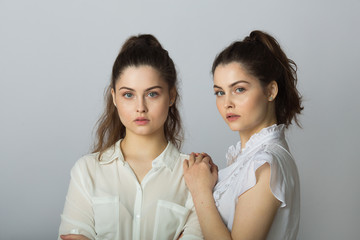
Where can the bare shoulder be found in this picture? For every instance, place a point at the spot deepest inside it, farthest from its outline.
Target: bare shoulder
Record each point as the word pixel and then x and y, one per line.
pixel 263 174
pixel 256 207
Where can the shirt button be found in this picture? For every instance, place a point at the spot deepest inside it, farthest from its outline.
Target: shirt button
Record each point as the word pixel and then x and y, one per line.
pixel 137 216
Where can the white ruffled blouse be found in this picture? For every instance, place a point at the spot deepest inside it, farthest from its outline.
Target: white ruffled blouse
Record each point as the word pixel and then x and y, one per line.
pixel 267 146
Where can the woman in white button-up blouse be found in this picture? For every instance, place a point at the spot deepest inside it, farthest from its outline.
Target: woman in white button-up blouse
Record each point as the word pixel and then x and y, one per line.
pixel 257 196
pixel 132 185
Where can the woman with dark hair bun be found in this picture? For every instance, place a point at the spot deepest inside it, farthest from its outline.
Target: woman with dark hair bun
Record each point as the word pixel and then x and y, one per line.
pixel 257 196
pixel 132 185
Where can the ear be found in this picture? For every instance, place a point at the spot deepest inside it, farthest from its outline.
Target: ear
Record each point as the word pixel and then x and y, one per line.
pixel 173 95
pixel 113 96
pixel 272 90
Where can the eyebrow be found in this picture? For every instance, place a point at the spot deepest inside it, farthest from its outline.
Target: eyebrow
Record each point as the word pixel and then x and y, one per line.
pixel 148 89
pixel 233 84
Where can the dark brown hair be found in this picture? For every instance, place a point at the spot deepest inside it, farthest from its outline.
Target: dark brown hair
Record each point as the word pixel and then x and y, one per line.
pixel 262 57
pixel 138 51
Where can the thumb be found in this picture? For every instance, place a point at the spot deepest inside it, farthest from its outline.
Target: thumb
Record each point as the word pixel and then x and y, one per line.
pixel 185 165
pixel 214 170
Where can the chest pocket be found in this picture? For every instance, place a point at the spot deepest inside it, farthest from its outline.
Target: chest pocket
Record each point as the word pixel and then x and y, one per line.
pixel 110 216
pixel 170 219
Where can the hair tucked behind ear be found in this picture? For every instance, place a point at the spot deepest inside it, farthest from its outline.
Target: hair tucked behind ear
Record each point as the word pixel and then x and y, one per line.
pixel 141 50
pixel 261 55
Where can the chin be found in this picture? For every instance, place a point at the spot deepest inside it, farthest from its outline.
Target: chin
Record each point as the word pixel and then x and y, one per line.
pixel 234 128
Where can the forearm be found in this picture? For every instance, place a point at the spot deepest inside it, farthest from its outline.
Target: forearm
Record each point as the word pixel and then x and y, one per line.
pixel 77 216
pixel 210 220
pixel 192 228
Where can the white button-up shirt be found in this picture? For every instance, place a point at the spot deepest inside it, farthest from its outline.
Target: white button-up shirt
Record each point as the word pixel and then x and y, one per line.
pixel 106 201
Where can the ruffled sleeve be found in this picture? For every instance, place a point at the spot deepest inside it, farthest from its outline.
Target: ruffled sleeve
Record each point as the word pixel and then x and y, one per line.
pixel 277 179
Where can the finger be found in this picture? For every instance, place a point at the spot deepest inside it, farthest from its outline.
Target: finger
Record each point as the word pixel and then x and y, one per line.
pixel 208 156
pixel 185 165
pixel 199 158
pixel 207 160
pixel 191 159
pixel 73 237
pixel 70 237
pixel 214 170
pixel 205 154
pixel 211 161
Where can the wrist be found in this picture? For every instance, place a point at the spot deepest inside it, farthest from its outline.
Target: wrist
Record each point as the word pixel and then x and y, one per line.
pixel 204 196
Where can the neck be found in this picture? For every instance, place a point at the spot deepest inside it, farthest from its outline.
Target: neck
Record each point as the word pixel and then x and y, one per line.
pixel 144 148
pixel 246 134
pixel 269 120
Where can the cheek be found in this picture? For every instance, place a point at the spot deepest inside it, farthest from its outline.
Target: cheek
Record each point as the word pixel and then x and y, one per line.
pixel 251 104
pixel 219 105
pixel 124 110
pixel 256 105
pixel 248 103
pixel 160 109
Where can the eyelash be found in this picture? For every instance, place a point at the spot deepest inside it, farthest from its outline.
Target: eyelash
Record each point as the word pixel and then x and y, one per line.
pixel 129 94
pixel 156 94
pixel 217 93
pixel 242 90
pixel 221 93
pixel 126 95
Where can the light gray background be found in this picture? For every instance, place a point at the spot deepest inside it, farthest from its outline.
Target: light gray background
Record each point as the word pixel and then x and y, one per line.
pixel 56 59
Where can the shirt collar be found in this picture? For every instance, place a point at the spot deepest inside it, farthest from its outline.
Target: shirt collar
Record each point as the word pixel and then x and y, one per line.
pixel 167 158
pixel 265 135
pixel 111 154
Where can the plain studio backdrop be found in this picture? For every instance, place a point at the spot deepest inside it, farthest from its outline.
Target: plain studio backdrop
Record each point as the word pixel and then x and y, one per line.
pixel 56 59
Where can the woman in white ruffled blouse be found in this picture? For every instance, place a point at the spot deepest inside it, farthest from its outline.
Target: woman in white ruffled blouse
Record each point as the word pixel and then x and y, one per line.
pixel 257 195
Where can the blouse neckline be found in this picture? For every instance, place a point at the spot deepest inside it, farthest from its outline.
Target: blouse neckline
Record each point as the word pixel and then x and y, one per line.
pixel 273 131
pixel 168 157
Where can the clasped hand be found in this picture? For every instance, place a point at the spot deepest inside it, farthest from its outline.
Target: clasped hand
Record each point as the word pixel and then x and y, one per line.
pixel 200 173
pixel 73 237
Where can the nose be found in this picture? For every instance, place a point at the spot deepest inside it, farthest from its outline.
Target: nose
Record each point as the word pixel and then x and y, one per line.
pixel 228 102
pixel 141 105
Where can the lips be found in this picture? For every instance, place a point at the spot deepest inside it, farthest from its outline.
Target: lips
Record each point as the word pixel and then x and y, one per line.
pixel 141 121
pixel 232 117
